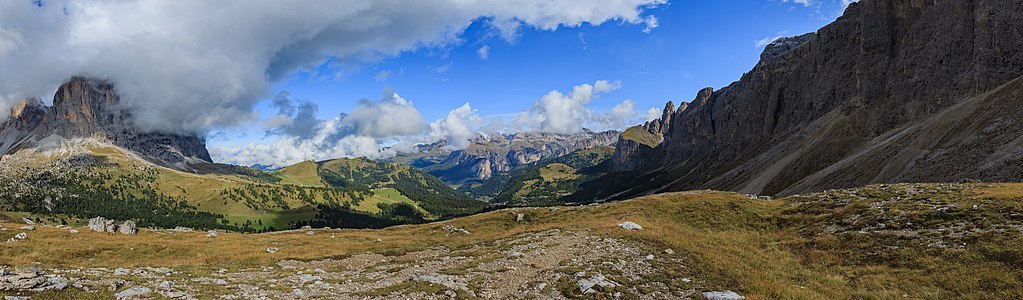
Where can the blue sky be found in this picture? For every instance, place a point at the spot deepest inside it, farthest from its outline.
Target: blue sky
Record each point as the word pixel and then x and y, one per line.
pixel 697 44
pixel 272 82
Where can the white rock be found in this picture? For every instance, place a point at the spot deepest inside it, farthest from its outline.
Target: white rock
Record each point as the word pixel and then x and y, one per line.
pixel 630 226
pixel 669 251
pixel 307 278
pixel 687 280
pixel 73 230
pixel 519 218
pixel 18 237
pixel 272 250
pixel 29 227
pixel 587 286
pixel 128 228
pixel 132 293
pixel 28 221
pixel 182 229
pixel 212 233
pixel 726 295
pixel 650 257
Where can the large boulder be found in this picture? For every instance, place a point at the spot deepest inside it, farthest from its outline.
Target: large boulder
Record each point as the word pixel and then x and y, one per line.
pixel 100 224
pixel 128 228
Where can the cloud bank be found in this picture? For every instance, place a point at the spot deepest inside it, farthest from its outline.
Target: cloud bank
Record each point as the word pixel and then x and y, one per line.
pixel 189 65
pixel 392 125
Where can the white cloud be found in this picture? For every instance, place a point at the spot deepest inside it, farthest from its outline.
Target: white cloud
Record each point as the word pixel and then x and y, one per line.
pixel 653 114
pixel 484 52
pixel 382 76
pixel 191 65
pixel 443 68
pixel 766 41
pixel 650 22
pixel 300 135
pixel 845 3
pixel 560 113
pixel 806 3
pixel 457 128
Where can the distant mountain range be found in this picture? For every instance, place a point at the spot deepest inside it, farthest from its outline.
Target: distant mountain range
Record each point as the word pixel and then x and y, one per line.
pixel 490 156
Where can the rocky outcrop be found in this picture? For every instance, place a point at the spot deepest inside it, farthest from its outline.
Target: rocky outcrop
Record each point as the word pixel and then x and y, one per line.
pixel 486 157
pixel 128 228
pixel 90 108
pixel 100 224
pixel 891 91
pixel 30 279
pixel 636 143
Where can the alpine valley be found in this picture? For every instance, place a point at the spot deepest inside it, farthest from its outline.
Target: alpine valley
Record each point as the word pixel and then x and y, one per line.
pixel 879 157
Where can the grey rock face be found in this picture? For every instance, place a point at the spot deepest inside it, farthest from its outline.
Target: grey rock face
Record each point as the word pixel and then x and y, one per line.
pixel 133 293
pixel 726 295
pixel 891 91
pixel 30 280
pixel 89 108
pixel 486 157
pixel 128 228
pixel 100 224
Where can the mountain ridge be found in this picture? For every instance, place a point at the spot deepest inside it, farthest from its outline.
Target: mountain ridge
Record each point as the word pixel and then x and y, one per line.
pixel 90 108
pixel 815 100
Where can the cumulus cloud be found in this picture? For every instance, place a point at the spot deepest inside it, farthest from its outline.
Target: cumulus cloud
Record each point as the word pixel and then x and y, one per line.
pixel 382 76
pixel 192 65
pixel 560 113
pixel 300 135
pixel 653 114
pixel 457 128
pixel 482 52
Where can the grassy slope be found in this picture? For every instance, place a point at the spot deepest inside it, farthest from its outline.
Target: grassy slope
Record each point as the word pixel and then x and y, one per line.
pixel 303 173
pixel 794 248
pixel 206 191
pixel 640 135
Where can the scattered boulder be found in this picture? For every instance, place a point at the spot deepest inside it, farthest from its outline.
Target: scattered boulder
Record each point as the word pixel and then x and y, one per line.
pixel 519 218
pixel 29 227
pixel 452 229
pixel 595 283
pixel 182 229
pixel 669 251
pixel 28 221
pixel 17 298
pixel 132 293
pixel 650 257
pixel 307 227
pixel 30 279
pixel 272 250
pixel 128 228
pixel 630 226
pixel 304 278
pixel 212 233
pixel 726 295
pixel 17 237
pixel 100 224
pixel 73 231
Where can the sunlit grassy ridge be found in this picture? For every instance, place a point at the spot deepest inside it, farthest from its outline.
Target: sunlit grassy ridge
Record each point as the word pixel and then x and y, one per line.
pixel 934 244
pixel 240 198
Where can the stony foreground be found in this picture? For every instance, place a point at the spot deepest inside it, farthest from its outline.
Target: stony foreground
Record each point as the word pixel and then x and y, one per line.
pixel 542 265
pixel 920 241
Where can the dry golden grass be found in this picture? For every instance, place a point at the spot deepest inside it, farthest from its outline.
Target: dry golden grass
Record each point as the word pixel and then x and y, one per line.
pixel 732 242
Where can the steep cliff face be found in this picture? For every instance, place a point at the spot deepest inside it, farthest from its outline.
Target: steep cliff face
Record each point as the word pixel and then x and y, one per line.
pixel 488 156
pixel 808 114
pixel 89 108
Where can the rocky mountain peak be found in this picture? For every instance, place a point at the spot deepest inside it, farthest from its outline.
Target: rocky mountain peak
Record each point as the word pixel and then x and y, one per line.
pixel 784 45
pixel 893 90
pixel 90 108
